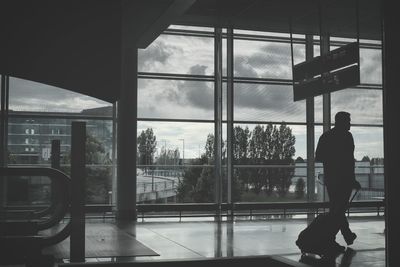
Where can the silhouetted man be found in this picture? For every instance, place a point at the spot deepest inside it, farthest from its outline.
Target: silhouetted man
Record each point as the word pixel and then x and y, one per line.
pixel 335 150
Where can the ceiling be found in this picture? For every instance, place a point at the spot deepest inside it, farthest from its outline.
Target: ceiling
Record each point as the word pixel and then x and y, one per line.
pixel 78 45
pixel 338 17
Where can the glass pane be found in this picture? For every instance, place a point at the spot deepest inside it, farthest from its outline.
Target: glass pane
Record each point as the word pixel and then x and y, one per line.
pixel 32 96
pixel 318 112
pixel 299 53
pixel 258 59
pixel 179 154
pixel 260 102
pixel 175 99
pixel 178 54
pixel 371 66
pixel 365 106
pixel 29 143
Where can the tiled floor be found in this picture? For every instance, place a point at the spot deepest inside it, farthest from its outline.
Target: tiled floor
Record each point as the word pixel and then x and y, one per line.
pixel 197 239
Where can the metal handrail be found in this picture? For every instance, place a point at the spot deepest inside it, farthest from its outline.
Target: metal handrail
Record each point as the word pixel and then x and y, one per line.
pixel 62 182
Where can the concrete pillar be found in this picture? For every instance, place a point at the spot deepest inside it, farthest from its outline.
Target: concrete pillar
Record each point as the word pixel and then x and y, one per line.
pixel 126 122
pixel 391 130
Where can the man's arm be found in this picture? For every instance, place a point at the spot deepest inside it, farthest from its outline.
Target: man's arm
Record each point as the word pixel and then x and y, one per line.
pixel 356 184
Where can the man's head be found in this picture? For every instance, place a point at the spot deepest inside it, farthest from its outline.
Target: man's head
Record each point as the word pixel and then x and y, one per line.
pixel 342 120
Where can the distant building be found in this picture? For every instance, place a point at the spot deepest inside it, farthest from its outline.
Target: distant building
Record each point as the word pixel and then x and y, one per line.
pixel 30 133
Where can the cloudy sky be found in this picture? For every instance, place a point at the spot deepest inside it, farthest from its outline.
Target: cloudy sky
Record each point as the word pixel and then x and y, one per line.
pixel 171 99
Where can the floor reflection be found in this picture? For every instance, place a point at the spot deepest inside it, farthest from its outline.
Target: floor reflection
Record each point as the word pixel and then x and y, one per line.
pixel 342 260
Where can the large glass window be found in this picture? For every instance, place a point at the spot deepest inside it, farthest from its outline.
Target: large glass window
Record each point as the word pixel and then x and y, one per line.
pixel 176 117
pixel 269 144
pixel 41 113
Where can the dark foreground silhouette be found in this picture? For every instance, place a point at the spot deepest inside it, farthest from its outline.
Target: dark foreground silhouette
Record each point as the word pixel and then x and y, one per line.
pixel 335 149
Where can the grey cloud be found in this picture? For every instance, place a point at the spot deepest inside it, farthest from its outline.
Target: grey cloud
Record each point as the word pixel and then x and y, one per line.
pixel 157 52
pixel 198 94
pixel 191 93
pixel 270 60
pixel 243 68
pixel 198 69
pixel 365 106
pixel 371 68
pixel 28 95
pixel 262 97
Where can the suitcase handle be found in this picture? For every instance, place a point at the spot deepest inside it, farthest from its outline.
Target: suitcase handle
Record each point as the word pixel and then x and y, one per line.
pixel 354 195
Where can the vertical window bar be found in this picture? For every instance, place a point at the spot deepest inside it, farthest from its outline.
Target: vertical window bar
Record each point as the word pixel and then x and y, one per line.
pixel 218 118
pixel 229 112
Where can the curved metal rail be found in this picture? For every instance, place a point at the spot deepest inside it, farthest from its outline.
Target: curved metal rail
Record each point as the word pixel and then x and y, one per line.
pixel 58 209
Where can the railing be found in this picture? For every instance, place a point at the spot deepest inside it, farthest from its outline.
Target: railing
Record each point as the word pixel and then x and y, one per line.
pixel 247 209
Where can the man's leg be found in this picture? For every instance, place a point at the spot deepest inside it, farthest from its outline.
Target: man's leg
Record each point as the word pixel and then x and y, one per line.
pixel 338 199
pixel 348 235
pixel 337 219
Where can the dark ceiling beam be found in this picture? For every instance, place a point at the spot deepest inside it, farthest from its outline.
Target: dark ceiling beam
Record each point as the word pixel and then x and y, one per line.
pixel 176 9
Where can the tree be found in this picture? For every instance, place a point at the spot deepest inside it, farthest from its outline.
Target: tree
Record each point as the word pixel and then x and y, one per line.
pixel 168 157
pixel 98 170
pixel 269 145
pixel 240 144
pixel 300 188
pixel 187 185
pixel 284 155
pixel 365 159
pixel 146 148
pixel 257 156
pixel 299 160
pixel 98 179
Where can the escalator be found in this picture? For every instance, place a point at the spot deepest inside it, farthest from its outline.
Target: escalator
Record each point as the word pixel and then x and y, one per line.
pixel 26 230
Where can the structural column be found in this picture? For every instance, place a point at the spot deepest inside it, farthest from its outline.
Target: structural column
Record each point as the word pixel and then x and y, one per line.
pixel 310 132
pixel 391 129
pixel 126 122
pixel 4 89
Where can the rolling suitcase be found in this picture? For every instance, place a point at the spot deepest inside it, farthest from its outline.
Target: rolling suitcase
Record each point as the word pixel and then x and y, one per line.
pixel 315 237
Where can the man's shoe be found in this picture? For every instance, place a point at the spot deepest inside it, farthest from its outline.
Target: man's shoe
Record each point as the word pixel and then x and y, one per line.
pixel 335 248
pixel 350 238
pixel 332 251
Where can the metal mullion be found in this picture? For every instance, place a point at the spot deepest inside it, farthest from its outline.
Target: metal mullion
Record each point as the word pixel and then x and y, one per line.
pixel 188 33
pixel 175 120
pixel 367 86
pixel 263 83
pixel 5 126
pixel 230 111
pixel 275 39
pixel 55 116
pixel 270 122
pixel 175 76
pixel 2 117
pixel 326 98
pixel 218 118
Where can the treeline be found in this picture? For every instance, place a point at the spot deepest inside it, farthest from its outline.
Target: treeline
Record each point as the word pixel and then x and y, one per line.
pixel 264 145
